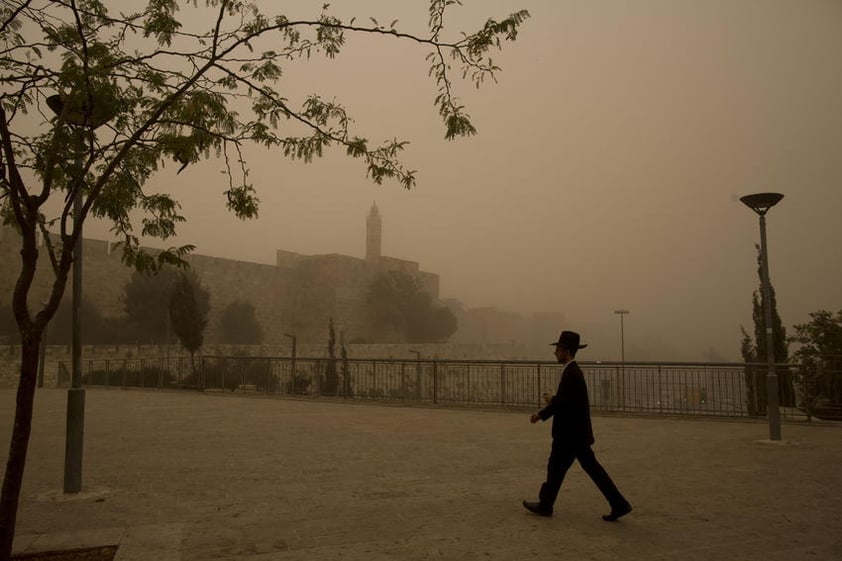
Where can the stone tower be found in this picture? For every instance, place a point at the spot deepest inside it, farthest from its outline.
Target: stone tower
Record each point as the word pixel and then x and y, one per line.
pixel 373 235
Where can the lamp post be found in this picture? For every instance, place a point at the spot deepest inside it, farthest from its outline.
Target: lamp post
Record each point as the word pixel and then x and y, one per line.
pixel 621 313
pixel 622 388
pixel 760 203
pixel 80 112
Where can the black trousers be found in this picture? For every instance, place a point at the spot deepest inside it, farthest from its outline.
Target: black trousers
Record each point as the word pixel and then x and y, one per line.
pixel 561 458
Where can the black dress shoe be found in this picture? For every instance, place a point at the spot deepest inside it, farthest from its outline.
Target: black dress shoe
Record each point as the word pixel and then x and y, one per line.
pixel 617 512
pixel 538 508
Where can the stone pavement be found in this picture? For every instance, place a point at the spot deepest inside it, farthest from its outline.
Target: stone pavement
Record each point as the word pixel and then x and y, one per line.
pixel 189 476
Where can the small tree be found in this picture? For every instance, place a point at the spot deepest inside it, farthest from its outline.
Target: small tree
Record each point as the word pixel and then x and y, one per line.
pixel 400 308
pixel 819 356
pixel 754 351
pixel 239 324
pixel 189 307
pixel 94 103
pixel 147 301
pixel 331 380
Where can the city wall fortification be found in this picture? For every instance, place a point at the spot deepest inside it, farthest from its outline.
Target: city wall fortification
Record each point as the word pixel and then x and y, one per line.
pixel 298 294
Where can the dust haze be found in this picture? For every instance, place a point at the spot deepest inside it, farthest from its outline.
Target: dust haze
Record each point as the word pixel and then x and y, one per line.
pixel 606 174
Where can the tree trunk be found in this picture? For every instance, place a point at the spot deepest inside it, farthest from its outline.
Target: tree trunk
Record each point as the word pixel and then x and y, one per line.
pixel 19 445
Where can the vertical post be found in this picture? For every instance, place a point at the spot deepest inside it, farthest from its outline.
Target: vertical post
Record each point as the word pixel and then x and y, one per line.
pixel 435 383
pixel 502 384
pixel 622 340
pixel 293 383
pixel 773 409
pixel 76 393
pixel 622 384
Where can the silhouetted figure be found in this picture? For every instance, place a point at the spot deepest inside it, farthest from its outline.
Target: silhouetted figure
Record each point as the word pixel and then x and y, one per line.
pixel 572 435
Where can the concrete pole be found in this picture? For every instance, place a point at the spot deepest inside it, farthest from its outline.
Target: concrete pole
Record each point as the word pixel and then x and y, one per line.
pixel 74 440
pixel 773 402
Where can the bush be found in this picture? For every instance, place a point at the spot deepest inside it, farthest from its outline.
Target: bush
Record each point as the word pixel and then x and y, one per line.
pixel 232 374
pixel 146 377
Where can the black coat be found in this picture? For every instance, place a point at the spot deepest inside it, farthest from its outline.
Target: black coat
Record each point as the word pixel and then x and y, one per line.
pixel 570 410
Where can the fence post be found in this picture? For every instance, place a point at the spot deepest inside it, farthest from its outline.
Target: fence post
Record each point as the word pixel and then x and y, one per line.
pixel 435 382
pixel 403 381
pixel 502 384
pixel 539 385
pixel 660 392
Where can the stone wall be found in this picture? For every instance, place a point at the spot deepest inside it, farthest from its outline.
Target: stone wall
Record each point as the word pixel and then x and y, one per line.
pixel 298 294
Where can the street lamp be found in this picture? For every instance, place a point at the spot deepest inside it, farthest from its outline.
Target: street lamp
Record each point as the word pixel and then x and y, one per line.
pixel 293 338
pixel 621 313
pixel 761 203
pixel 80 111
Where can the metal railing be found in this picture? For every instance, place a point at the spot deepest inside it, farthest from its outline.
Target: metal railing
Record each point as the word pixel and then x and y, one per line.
pixel 695 389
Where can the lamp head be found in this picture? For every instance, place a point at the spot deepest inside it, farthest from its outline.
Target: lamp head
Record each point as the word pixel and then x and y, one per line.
pixel 761 202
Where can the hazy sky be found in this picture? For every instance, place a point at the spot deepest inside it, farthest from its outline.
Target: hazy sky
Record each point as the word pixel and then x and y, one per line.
pixel 606 174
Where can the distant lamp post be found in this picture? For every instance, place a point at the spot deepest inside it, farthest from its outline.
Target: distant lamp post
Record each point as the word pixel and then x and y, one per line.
pixel 761 203
pixel 621 313
pixel 622 385
pixel 81 111
pixel 293 338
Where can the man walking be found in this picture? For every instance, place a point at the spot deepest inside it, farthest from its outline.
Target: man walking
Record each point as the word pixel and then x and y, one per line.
pixel 572 435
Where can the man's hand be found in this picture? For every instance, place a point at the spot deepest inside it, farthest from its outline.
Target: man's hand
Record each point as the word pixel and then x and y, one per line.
pixel 534 418
pixel 547 398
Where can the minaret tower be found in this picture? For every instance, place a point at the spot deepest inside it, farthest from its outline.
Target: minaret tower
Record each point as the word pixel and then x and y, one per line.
pixel 373 235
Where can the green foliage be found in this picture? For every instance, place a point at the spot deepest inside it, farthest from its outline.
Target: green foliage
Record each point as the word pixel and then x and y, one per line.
pixel 96 329
pixel 330 382
pixel 160 108
pixel 145 377
pixel 820 338
pixel 755 350
pixel 147 301
pixel 189 306
pixel 299 384
pixel 399 307
pixel 239 324
pixel 820 358
pixel 234 374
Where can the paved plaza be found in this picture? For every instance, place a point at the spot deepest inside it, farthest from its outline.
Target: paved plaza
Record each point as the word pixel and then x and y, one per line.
pixel 191 476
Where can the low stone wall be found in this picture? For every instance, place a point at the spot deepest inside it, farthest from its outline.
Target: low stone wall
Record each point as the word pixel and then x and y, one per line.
pixel 56 354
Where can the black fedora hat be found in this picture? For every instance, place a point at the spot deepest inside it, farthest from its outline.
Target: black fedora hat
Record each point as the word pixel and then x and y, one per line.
pixel 568 340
